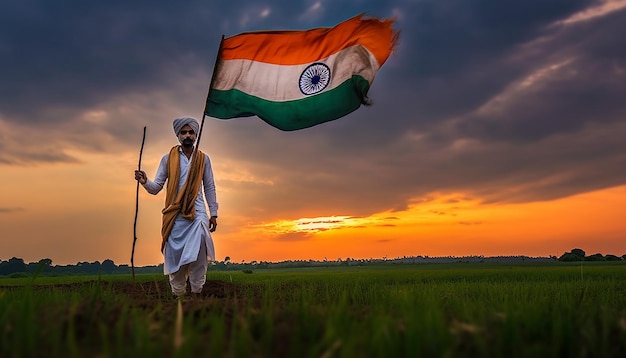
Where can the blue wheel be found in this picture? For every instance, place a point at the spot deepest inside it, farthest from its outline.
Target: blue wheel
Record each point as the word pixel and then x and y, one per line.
pixel 314 78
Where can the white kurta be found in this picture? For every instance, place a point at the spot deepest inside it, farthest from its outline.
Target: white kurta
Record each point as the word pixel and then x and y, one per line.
pixel 183 244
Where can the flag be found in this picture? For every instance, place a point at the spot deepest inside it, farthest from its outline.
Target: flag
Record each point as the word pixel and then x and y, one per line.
pixel 298 79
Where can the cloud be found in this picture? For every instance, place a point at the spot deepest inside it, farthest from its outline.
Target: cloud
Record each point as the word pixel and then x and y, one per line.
pixel 293 236
pixel 253 15
pixel 470 223
pixel 70 57
pixel 313 12
pixel 594 11
pixel 10 210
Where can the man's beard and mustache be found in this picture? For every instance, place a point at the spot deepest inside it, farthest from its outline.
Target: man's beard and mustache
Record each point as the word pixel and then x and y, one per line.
pixel 187 142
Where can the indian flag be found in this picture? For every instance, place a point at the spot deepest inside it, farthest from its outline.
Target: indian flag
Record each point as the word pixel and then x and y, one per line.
pixel 297 79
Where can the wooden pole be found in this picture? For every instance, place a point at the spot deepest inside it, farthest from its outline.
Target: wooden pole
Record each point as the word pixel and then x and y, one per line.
pixel 132 255
pixel 215 68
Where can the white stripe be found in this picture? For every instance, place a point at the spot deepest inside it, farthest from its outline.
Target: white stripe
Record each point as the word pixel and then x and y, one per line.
pixel 281 83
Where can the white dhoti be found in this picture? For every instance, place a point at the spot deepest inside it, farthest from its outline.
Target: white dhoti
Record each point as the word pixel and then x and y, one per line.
pixel 185 242
pixel 188 255
pixel 188 251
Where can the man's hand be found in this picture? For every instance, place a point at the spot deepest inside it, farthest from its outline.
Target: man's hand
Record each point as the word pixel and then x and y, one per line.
pixel 212 223
pixel 140 176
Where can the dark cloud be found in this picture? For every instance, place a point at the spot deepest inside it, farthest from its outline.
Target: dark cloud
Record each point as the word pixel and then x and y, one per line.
pixel 586 84
pixel 17 157
pixel 293 236
pixel 470 223
pixel 74 55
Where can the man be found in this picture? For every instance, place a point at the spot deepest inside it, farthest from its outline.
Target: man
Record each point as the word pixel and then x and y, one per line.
pixel 187 245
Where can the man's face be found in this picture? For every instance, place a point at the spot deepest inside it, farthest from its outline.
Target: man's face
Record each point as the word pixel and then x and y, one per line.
pixel 187 136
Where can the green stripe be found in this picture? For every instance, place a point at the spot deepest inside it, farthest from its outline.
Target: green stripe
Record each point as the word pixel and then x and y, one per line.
pixel 290 115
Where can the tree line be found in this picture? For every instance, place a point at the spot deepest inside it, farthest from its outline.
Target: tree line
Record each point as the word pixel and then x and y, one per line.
pixel 580 255
pixel 16 267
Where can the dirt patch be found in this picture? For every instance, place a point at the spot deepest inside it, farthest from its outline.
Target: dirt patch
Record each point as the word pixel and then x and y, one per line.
pixel 161 290
pixel 149 293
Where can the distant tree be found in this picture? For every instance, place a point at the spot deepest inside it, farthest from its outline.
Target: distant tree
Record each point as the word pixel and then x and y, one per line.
pixel 579 252
pixel 108 266
pixel 88 267
pixel 43 265
pixel 610 257
pixel 13 265
pixel 595 257
pixel 569 257
pixel 227 258
pixel 46 262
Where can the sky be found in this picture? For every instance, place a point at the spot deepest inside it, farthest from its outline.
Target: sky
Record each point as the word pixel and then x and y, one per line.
pixel 497 128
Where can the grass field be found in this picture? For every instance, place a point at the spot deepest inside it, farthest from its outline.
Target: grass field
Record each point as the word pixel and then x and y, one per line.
pixel 428 310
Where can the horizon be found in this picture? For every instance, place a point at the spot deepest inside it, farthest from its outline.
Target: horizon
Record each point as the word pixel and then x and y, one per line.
pixel 339 259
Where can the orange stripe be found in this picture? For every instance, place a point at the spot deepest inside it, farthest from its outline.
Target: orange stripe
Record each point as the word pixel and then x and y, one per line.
pixel 299 47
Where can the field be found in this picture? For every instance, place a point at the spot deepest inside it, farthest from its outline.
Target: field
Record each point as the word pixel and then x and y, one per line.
pixel 427 310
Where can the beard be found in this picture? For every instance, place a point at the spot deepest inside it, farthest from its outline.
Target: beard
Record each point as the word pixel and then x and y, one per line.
pixel 187 142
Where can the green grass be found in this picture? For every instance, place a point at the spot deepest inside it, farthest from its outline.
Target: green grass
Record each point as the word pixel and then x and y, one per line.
pixel 427 310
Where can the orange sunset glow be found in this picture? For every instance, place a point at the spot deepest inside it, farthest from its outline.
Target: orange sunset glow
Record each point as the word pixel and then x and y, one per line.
pixel 451 225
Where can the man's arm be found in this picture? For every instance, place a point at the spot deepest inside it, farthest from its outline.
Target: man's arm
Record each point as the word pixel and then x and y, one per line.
pixel 210 193
pixel 154 187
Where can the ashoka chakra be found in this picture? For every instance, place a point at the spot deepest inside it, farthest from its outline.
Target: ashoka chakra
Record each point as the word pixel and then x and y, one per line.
pixel 314 78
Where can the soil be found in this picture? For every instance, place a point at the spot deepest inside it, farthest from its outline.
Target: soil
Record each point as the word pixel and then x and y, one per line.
pixel 150 293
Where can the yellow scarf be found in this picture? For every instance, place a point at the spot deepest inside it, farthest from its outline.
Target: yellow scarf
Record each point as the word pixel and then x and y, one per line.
pixel 183 201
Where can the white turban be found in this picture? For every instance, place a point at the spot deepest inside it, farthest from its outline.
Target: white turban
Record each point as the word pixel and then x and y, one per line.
pixel 179 123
